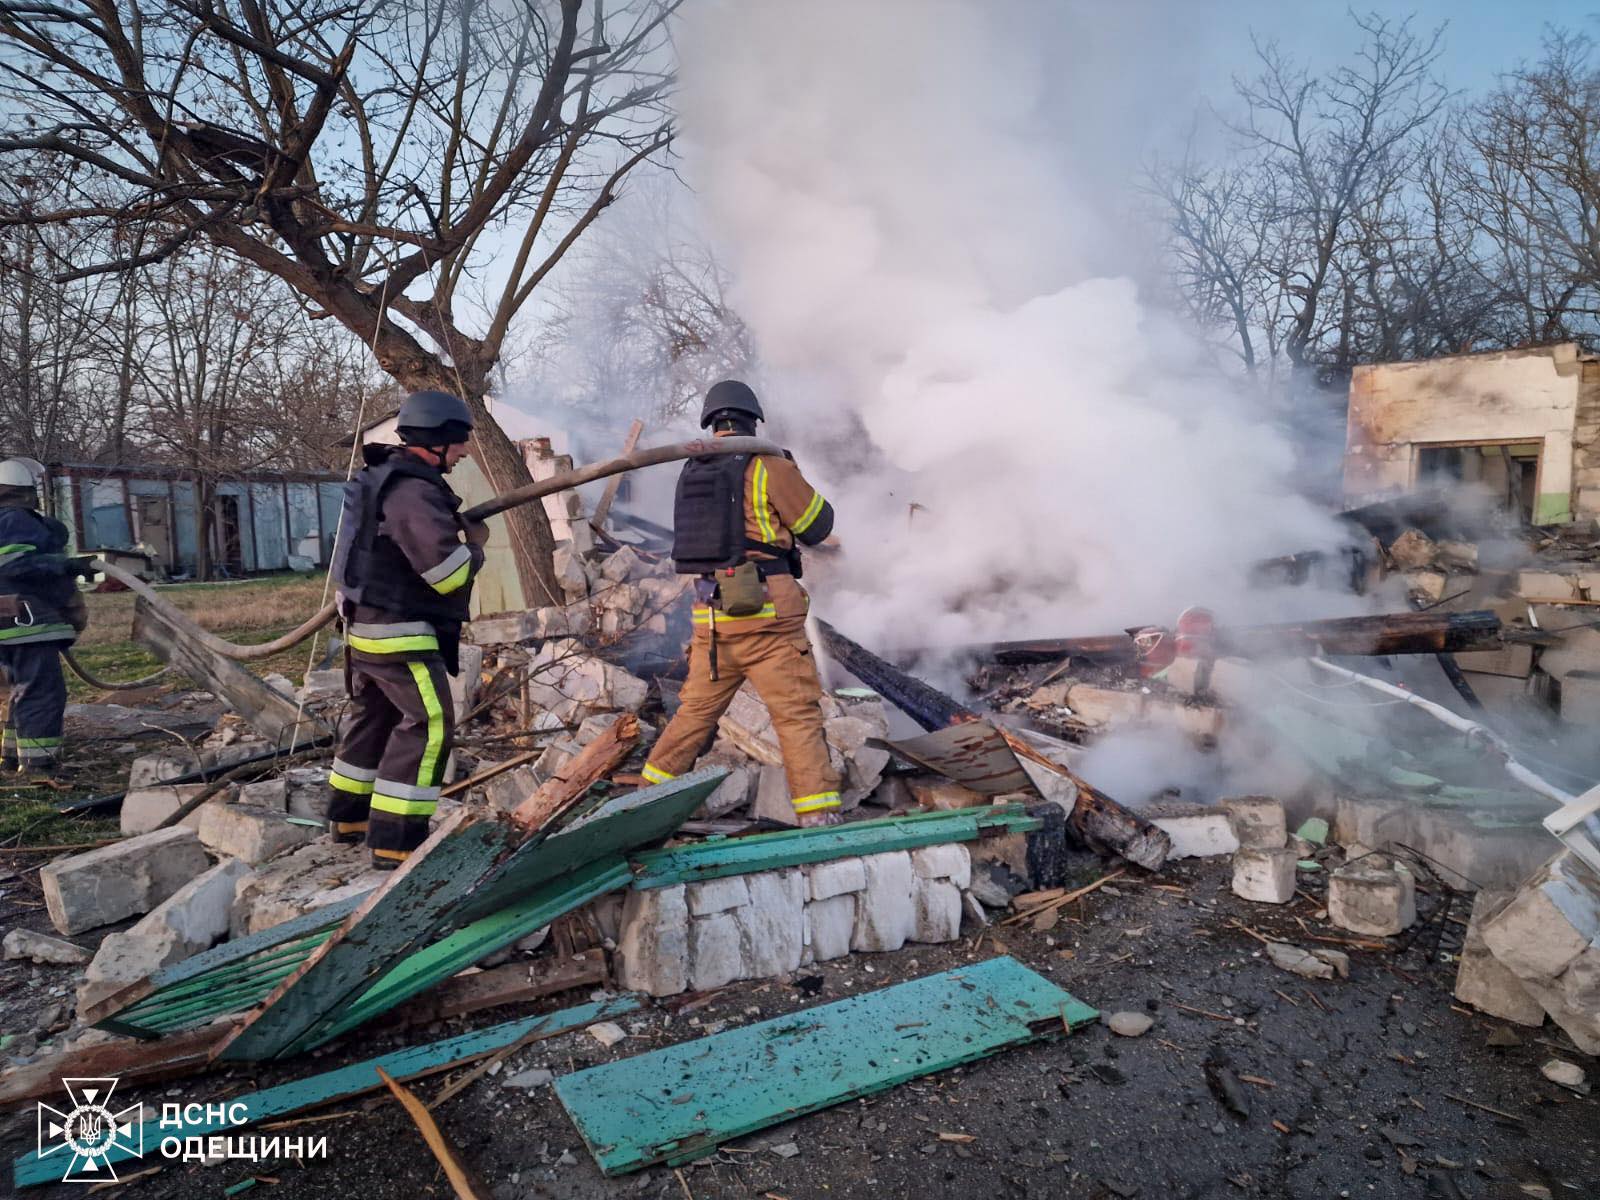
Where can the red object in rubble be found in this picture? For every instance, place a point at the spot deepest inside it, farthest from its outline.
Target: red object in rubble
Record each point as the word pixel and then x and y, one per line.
pixel 1155 649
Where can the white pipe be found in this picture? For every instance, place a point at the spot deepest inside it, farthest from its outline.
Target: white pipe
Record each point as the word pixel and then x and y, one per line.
pixel 1472 729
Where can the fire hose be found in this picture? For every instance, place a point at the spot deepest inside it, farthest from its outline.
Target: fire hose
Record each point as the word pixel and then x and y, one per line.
pixel 478 512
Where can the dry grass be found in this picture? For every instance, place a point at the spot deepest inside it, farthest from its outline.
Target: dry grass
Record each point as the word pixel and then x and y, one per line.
pixel 276 603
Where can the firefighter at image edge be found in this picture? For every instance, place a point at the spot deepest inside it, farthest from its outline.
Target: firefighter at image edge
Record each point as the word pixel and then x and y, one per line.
pixel 41 614
pixel 403 569
pixel 738 523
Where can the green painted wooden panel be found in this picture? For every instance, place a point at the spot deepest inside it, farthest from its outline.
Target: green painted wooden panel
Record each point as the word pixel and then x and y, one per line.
pixel 315 1090
pixel 461 853
pixel 459 950
pixel 619 825
pixel 680 1103
pixel 715 858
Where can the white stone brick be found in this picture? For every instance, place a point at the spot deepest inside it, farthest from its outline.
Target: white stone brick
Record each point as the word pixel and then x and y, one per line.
pixel 717 895
pixel 772 924
pixel 196 915
pixel 716 956
pixel 1258 822
pixel 1197 831
pixel 949 860
pixel 836 877
pixel 885 910
pixel 653 944
pixel 1373 896
pixel 1265 876
pixel 145 808
pixel 249 833
pixel 829 925
pixel 937 911
pixel 1482 981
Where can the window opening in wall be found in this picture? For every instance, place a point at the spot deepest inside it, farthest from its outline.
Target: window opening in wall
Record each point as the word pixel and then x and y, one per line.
pixel 1506 471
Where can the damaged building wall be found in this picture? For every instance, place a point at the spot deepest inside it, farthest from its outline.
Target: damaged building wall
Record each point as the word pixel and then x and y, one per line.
pixel 1543 401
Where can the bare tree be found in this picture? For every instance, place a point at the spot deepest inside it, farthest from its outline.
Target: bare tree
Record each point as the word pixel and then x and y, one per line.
pixel 383 158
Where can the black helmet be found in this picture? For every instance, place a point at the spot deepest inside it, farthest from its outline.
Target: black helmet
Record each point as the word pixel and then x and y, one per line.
pixel 730 396
pixel 434 419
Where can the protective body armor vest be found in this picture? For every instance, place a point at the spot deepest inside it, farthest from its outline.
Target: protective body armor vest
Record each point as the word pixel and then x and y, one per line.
pixel 32 562
pixel 708 519
pixel 368 568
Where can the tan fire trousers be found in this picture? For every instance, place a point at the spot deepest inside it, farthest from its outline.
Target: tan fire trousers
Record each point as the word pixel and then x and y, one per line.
pixel 779 663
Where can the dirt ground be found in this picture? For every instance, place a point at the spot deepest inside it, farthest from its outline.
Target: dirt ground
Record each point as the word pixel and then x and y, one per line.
pixel 1365 1087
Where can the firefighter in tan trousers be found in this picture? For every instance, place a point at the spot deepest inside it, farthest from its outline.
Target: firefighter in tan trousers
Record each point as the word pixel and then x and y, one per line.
pixel 738 523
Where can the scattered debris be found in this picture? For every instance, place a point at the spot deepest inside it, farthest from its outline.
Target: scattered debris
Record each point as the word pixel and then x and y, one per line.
pixel 1568 1075
pixel 42 948
pixel 1130 1024
pixel 1316 963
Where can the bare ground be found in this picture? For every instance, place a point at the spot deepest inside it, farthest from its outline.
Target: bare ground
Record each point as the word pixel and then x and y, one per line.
pixel 1353 1092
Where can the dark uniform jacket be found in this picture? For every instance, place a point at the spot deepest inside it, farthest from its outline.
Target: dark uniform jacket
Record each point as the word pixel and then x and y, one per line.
pixel 34 568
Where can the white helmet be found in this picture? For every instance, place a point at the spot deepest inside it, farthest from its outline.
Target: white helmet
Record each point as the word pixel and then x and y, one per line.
pixel 21 472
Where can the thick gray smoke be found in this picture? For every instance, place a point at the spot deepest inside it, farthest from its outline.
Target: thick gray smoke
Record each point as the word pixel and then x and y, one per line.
pixel 921 204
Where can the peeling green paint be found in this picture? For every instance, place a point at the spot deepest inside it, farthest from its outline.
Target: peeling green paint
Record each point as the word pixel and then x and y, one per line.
pixel 1552 508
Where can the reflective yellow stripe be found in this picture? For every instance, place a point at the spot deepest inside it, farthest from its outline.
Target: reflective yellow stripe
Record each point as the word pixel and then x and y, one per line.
pixel 454 580
pixel 358 787
pixel 758 488
pixel 404 808
pixel 655 774
pixel 805 804
pixel 350 826
pixel 397 855
pixel 394 645
pixel 38 743
pixel 810 514
pixel 427 769
pixel 702 615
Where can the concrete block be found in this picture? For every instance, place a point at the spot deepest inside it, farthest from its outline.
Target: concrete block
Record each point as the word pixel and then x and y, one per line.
pixel 306 792
pixel 716 956
pixel 1196 830
pixel 145 809
pixel 556 755
pixel 1552 919
pixel 624 566
pixel 196 916
pixel 717 895
pixel 566 679
pixel 152 769
pixel 1413 549
pixel 111 883
pixel 125 958
pixel 1481 980
pixel 569 571
pixel 947 861
pixel 885 909
pixel 291 885
pixel 1429 585
pixel 510 788
pixel 772 925
pixel 1257 821
pixel 322 686
pixel 42 948
pixel 838 877
pixel 829 925
pixel 653 944
pixel 1580 985
pixel 732 794
pixel 1265 876
pixel 266 793
pixel 942 795
pixel 772 797
pixel 1374 896
pixel 936 910
pixel 252 834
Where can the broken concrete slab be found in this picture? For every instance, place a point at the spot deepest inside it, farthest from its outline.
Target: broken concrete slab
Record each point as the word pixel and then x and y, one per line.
pixel 42 948
pixel 567 680
pixel 1309 964
pixel 123 959
pixel 885 910
pixel 772 797
pixel 111 883
pixel 264 793
pixel 146 808
pixel 1196 830
pixel 249 833
pixel 312 877
pixel 653 943
pixel 151 769
pixel 1265 876
pixel 735 792
pixel 197 915
pixel 306 792
pixel 1375 896
pixel 1257 821
pixel 1481 980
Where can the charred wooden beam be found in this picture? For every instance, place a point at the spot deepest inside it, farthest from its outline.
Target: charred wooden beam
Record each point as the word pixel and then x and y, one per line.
pixel 1097 820
pixel 1386 633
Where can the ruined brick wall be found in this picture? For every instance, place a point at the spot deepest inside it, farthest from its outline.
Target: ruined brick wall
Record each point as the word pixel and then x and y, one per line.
pixel 1586 446
pixel 1504 397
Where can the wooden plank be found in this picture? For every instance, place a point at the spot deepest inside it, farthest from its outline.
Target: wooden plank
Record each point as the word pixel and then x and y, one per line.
pixel 513 983
pixel 681 1102
pixel 391 922
pixel 590 765
pixel 609 496
pixel 463 1180
pixel 716 858
pixel 131 1063
pixel 270 713
pixel 414 1062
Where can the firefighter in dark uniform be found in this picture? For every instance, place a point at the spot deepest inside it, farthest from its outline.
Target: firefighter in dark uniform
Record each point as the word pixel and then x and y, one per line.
pixel 41 614
pixel 403 569
pixel 738 523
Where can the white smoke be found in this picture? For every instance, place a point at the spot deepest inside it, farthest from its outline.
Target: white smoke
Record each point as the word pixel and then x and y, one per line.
pixel 921 203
